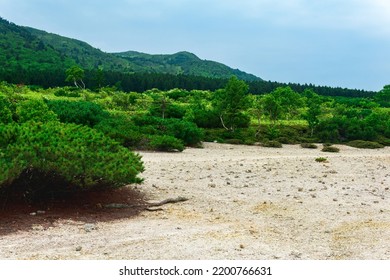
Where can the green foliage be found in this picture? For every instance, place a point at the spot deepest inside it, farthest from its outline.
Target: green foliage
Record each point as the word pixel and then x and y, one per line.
pixel 383 96
pixel 34 110
pixel 165 143
pixel 330 149
pixel 230 104
pixel 188 132
pixel 75 75
pixel 206 118
pixel 321 159
pixel 65 92
pixel 124 100
pixel 122 129
pixel 78 112
pixel 365 144
pixel 309 146
pixel 82 156
pixel 313 103
pixel 234 141
pixel 272 144
pixel 5 112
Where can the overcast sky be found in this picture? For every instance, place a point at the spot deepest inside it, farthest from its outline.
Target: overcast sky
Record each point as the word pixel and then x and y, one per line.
pixel 342 43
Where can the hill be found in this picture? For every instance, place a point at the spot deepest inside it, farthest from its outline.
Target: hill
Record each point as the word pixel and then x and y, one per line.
pixel 27 50
pixel 183 63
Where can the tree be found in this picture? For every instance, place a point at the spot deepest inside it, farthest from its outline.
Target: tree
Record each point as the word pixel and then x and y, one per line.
pixel 314 109
pixel 257 109
pixel 76 75
pixel 272 107
pixel 290 101
pixel 230 103
pixel 383 96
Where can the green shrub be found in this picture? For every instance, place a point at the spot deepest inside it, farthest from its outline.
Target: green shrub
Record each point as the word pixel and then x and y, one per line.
pixel 286 140
pixel 63 92
pixel 78 112
pixel 5 112
pixel 321 159
pixel 309 146
pixel 361 144
pixel 330 149
pixel 121 128
pixel 272 144
pixel 34 110
pixel 80 155
pixel 124 100
pixel 165 143
pixel 234 141
pixel 186 131
pixel 206 118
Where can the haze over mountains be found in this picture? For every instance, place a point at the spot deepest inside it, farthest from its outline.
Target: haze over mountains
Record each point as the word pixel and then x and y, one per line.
pixel 30 49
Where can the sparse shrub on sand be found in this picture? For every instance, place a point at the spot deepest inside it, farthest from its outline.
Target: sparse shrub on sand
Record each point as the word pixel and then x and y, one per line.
pixel 361 144
pixel 272 144
pixel 321 159
pixel 309 146
pixel 330 149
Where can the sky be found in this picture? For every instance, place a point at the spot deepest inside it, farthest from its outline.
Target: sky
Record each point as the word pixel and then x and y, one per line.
pixel 338 43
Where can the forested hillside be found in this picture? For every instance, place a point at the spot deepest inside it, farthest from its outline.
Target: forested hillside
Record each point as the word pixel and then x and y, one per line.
pixel 34 57
pixel 27 51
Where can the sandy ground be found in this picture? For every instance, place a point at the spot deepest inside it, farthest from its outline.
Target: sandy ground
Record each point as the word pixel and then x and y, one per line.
pixel 245 202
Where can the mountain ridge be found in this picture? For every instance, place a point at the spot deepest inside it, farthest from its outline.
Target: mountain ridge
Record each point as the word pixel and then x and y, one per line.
pixel 27 47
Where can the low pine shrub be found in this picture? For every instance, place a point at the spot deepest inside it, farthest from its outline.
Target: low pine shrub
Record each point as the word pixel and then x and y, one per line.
pixel 121 129
pixel 309 146
pixel 361 144
pixel 330 149
pixel 186 131
pixel 81 156
pixel 233 141
pixel 78 112
pixel 34 110
pixel 272 144
pixel 165 143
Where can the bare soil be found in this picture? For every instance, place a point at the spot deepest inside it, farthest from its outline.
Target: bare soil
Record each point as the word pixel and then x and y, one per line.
pixel 245 202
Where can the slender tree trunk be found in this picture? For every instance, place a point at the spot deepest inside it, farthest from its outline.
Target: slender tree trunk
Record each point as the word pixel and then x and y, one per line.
pixel 223 123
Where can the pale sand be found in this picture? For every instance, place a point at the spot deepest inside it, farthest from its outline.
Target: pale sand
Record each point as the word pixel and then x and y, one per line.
pixel 245 202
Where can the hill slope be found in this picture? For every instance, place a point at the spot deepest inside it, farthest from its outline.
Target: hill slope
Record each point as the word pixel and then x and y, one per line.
pixel 183 63
pixel 25 49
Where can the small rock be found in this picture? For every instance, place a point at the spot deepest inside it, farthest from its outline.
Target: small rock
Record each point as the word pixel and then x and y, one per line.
pixel 212 185
pixel 300 189
pixel 38 228
pixel 79 248
pixel 33 214
pixel 89 227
